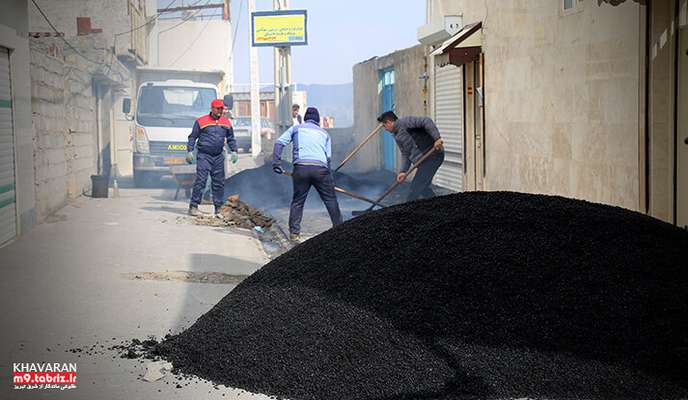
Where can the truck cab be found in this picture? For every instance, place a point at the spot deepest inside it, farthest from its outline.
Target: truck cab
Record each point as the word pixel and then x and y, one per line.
pixel 164 116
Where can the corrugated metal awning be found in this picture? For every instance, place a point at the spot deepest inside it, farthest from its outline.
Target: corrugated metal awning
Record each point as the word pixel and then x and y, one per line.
pixel 463 47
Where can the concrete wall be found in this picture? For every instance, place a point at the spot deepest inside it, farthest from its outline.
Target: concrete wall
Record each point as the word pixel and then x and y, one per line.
pixel 110 16
pixel 661 109
pixel 15 15
pixel 562 96
pixel 409 97
pixel 342 143
pixel 11 36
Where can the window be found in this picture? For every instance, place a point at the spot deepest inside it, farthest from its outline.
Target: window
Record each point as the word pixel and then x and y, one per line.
pixel 174 106
pixel 571 6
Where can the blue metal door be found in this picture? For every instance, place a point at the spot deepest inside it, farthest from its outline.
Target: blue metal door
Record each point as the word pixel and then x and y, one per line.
pixel 386 90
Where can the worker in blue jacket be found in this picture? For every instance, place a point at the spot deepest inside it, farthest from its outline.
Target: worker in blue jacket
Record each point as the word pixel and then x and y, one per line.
pixel 312 151
pixel 208 138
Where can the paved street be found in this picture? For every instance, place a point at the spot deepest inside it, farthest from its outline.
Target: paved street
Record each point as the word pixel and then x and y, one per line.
pixel 72 283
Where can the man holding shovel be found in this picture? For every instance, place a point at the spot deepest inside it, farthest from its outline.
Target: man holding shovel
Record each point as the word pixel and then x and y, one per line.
pixel 415 136
pixel 311 154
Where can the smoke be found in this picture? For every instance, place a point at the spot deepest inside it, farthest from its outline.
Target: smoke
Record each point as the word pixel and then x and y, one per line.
pixel 264 189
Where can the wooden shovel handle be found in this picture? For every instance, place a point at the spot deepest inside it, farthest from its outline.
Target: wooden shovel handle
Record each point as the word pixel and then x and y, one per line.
pixel 360 145
pixel 346 192
pixel 413 168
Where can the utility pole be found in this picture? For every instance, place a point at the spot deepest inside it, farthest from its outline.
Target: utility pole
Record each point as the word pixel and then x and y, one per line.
pixel 283 89
pixel 255 90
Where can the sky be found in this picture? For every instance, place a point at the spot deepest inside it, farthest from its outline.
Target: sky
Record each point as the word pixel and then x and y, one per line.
pixel 340 34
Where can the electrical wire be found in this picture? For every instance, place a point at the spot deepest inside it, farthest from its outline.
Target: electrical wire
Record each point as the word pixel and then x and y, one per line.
pixel 184 20
pixel 192 43
pixel 153 18
pixel 62 37
pixel 236 29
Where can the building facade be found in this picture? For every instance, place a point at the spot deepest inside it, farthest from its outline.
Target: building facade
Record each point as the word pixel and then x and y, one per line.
pixel 394 81
pixel 17 196
pixel 584 99
pixel 60 87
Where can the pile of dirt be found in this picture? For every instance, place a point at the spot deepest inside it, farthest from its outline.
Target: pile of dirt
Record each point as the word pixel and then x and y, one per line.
pixel 496 295
pixel 237 213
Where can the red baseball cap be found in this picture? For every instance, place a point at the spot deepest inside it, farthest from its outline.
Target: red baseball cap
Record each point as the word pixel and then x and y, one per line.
pixel 217 103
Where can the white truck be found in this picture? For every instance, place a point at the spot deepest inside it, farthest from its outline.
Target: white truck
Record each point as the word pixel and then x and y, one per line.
pixel 168 102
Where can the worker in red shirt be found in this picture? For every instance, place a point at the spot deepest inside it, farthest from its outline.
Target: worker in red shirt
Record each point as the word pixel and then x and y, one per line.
pixel 208 137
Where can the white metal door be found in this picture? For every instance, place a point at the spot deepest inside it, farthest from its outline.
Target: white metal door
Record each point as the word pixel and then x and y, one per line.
pixel 449 120
pixel 8 212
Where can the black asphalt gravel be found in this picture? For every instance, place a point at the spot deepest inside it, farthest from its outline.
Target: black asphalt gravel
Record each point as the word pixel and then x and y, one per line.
pixel 473 295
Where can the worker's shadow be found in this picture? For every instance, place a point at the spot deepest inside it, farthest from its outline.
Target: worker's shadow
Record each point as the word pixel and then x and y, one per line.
pixel 198 298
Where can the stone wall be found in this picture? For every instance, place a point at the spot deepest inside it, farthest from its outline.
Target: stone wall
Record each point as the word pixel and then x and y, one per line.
pixel 64 121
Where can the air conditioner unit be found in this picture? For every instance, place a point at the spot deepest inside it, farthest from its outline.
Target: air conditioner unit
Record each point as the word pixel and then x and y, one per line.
pixel 441 30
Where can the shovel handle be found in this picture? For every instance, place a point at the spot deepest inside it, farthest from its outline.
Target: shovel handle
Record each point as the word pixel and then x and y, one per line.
pixel 346 192
pixel 358 196
pixel 360 145
pixel 397 183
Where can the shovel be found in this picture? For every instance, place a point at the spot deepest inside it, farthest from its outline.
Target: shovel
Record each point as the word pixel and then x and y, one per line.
pixel 396 184
pixel 348 193
pixel 357 148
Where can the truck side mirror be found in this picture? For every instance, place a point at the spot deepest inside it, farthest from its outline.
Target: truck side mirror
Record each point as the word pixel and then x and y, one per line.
pixel 126 105
pixel 229 101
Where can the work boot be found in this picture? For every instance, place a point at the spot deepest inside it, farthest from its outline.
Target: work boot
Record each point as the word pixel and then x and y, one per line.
pixel 294 237
pixel 193 211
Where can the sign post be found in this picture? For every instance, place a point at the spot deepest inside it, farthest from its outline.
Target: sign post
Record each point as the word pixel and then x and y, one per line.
pixel 280 29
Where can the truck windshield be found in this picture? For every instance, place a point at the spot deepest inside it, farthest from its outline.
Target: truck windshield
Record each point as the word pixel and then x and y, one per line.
pixel 175 106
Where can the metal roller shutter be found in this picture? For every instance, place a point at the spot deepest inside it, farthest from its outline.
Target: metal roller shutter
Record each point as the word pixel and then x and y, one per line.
pixel 449 120
pixel 8 213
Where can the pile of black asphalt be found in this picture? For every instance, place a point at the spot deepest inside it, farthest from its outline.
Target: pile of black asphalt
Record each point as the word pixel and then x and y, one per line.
pixel 472 295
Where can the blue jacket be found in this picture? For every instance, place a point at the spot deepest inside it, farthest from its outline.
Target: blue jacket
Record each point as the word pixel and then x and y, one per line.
pixel 311 145
pixel 211 134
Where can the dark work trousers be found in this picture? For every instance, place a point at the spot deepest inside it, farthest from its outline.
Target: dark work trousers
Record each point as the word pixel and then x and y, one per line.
pixel 420 187
pixel 303 178
pixel 215 165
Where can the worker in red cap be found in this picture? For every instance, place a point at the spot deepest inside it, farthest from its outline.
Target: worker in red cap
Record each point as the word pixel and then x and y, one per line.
pixel 208 136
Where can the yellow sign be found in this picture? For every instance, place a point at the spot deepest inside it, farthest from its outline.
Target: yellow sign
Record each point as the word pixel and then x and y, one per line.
pixel 279 28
